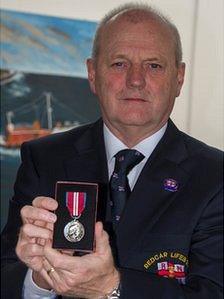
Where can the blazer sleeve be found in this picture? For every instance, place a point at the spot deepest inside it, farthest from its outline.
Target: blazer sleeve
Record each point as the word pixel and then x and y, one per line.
pixel 204 279
pixel 13 271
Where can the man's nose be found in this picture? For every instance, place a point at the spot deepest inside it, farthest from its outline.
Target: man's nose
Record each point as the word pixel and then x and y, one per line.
pixel 136 77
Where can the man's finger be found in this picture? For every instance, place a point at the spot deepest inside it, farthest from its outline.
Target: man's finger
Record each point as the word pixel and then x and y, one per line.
pixel 67 251
pixel 44 224
pixel 31 255
pixel 32 250
pixel 102 239
pixel 44 202
pixel 33 231
pixel 46 277
pixel 34 214
pixel 60 260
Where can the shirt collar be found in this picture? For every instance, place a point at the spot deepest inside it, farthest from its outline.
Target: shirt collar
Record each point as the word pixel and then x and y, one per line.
pixel 146 146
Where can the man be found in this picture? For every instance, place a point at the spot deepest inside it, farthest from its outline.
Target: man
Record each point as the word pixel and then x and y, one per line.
pixel 166 240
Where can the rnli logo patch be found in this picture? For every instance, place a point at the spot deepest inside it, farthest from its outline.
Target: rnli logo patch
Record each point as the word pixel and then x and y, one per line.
pixel 169 264
pixel 171 270
pixel 170 185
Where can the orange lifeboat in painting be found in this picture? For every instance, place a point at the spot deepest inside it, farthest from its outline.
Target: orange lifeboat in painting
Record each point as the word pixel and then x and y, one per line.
pixel 15 136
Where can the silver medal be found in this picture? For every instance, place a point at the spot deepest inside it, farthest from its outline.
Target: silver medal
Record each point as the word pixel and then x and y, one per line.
pixel 74 231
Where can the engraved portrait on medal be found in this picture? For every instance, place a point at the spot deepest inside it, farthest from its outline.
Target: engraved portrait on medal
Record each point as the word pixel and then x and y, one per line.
pixel 74 231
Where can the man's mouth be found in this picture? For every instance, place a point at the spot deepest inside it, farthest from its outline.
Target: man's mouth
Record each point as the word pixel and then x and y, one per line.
pixel 134 99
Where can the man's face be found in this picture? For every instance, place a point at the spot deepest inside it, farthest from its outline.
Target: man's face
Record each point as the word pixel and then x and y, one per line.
pixel 135 75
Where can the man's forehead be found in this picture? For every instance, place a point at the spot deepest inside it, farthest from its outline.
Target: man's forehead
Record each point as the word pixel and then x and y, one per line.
pixel 123 29
pixel 136 18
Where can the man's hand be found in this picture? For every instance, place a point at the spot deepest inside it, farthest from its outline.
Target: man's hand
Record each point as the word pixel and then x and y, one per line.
pixel 38 221
pixel 90 276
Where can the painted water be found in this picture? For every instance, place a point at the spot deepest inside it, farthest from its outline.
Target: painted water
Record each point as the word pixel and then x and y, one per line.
pixel 39 55
pixel 73 103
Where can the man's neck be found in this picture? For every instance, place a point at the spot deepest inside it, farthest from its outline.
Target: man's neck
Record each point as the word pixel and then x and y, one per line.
pixel 132 135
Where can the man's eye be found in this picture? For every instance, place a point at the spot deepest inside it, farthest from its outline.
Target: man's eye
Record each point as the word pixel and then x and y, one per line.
pixel 119 64
pixel 155 66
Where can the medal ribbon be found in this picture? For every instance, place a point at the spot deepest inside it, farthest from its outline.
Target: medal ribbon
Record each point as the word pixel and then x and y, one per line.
pixel 75 202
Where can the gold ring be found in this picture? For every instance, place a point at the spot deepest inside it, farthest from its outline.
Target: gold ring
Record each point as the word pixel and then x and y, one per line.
pixel 51 270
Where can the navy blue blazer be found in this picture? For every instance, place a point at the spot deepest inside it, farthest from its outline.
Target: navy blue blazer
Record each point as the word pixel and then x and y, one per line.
pixel 168 243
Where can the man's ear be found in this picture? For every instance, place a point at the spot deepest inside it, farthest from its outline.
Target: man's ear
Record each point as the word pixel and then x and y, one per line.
pixel 91 74
pixel 180 78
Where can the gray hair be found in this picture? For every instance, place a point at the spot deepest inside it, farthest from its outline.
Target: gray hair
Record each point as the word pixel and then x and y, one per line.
pixel 141 8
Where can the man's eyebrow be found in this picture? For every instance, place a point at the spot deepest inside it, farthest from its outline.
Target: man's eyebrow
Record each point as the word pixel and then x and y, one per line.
pixel 123 56
pixel 152 59
pixel 126 57
pixel 148 59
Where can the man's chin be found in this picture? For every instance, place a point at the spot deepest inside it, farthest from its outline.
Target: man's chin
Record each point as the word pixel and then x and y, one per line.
pixel 133 122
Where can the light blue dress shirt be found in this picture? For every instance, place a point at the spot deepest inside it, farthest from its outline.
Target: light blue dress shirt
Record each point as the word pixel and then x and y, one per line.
pixel 145 147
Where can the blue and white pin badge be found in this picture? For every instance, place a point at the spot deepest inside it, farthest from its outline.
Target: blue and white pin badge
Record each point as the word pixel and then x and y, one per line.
pixel 170 185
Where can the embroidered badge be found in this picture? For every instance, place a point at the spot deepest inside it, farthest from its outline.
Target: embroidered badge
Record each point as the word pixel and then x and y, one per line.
pixel 171 270
pixel 170 264
pixel 170 185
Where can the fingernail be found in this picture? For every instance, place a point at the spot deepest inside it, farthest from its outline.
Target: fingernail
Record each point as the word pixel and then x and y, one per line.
pixel 52 202
pixel 52 217
pixel 54 205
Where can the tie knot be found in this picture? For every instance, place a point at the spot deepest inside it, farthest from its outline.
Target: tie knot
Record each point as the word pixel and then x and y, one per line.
pixel 127 159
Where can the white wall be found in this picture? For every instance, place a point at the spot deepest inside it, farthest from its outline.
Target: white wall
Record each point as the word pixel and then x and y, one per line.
pixel 200 109
pixel 206 114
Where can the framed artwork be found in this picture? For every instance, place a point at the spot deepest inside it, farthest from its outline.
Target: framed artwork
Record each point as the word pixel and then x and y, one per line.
pixel 44 86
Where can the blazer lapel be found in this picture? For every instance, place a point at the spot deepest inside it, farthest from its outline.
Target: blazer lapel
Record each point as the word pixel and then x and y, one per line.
pixel 88 163
pixel 149 199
